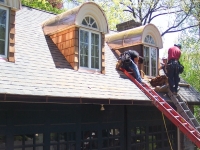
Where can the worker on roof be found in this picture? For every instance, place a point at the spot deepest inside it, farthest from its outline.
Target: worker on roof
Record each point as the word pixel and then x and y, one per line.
pixel 130 59
pixel 163 65
pixel 174 54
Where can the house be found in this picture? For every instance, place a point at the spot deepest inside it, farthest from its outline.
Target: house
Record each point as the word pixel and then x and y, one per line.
pixel 59 89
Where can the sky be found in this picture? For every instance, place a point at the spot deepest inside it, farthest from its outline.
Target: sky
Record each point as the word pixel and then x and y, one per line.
pixel 169 39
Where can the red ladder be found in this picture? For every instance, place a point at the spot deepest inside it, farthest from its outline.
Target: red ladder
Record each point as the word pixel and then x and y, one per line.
pixel 192 133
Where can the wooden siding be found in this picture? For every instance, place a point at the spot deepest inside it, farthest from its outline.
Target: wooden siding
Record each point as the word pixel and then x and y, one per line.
pixel 67 43
pixel 11 47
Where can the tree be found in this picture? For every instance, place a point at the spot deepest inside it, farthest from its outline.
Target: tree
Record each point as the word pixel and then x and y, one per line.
pixel 56 3
pixel 190 59
pixel 48 5
pixel 145 11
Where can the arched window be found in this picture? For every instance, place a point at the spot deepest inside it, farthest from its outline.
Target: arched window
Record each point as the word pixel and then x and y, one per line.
pixel 150 55
pixel 148 39
pixel 90 22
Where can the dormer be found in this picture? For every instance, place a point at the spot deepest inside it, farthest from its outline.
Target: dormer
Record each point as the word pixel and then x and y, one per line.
pixel 79 34
pixel 146 40
pixel 8 10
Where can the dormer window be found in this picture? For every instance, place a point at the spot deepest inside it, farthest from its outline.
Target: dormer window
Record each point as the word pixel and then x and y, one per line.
pixel 89 47
pixel 3 31
pixel 150 55
pixel 81 39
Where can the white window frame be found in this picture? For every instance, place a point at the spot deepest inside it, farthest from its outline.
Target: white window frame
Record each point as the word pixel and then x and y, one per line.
pixel 89 52
pixel 6 32
pixel 150 61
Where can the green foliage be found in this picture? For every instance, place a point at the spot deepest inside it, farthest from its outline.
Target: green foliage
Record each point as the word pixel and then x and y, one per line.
pixel 43 5
pixel 190 59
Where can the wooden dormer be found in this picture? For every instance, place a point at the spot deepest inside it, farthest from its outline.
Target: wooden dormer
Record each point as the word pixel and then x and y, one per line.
pixel 67 30
pixel 144 39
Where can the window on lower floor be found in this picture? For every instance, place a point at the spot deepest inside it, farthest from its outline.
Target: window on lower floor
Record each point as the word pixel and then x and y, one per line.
pixel 153 137
pixel 89 140
pixel 28 142
pixel 111 139
pixel 3 31
pixel 89 50
pixel 63 141
pixel 150 60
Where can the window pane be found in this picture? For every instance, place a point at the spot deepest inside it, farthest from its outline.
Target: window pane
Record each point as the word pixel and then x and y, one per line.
pixel 39 138
pixel 146 60
pixel 18 140
pixel 54 138
pixel 84 48
pixel 84 22
pixel 2 31
pixel 89 140
pixel 29 139
pixel 2 48
pixel 153 61
pixel 1 0
pixel 87 19
pixel 94 25
pixel 91 20
pixel 95 51
pixel 111 138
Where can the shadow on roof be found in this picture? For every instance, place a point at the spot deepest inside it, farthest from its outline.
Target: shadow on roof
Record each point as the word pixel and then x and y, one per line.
pixel 58 58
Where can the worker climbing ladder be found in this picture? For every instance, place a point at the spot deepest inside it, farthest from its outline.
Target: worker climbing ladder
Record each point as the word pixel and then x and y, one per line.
pixel 191 132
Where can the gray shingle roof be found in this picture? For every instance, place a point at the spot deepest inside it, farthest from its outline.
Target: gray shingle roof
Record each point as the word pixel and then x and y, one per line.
pixel 41 70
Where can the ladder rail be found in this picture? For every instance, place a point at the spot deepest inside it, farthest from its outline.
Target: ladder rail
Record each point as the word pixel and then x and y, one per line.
pixel 184 110
pixel 191 132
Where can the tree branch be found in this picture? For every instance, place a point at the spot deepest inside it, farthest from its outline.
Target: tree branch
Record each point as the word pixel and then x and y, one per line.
pixel 168 31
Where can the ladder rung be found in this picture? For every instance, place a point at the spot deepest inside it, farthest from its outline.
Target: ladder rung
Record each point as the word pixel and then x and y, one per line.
pixel 186 110
pixel 169 109
pixel 192 131
pixel 197 127
pixel 184 123
pixel 162 103
pixel 181 103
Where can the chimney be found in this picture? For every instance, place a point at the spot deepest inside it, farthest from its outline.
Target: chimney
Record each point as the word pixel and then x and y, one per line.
pixel 128 25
